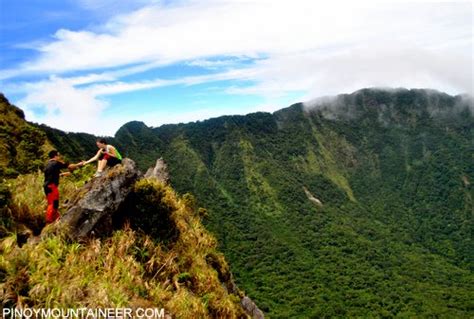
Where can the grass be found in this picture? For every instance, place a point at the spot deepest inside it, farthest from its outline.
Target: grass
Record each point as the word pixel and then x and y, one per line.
pixel 27 207
pixel 186 277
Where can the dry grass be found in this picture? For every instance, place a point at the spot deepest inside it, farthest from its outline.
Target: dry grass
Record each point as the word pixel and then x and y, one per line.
pixel 28 202
pixel 128 269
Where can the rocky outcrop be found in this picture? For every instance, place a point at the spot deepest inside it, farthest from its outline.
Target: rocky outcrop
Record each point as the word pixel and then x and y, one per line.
pixel 103 198
pixel 159 172
pixel 227 279
pixel 95 204
pixel 247 304
pixel 251 308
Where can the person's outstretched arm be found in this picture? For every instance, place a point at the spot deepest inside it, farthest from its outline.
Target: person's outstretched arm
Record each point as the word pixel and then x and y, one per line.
pixel 73 167
pixel 93 159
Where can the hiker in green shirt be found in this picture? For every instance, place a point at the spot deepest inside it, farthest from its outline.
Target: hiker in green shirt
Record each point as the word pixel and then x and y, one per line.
pixel 106 156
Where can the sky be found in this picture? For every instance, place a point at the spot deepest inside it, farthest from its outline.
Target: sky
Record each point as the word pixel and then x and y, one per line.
pixel 93 65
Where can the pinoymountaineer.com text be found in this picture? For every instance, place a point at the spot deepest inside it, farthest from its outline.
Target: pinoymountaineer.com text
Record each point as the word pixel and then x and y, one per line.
pixel 83 313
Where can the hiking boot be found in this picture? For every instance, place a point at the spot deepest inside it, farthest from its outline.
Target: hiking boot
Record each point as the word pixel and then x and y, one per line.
pixel 98 174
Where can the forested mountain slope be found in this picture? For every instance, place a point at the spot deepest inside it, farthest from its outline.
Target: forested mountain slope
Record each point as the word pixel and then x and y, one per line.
pixel 22 146
pixel 393 170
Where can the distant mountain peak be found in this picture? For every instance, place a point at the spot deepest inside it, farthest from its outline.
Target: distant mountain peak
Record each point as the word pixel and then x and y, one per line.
pixel 391 103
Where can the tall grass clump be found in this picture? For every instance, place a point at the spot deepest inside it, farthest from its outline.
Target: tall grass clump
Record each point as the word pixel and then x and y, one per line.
pixel 182 273
pixel 24 210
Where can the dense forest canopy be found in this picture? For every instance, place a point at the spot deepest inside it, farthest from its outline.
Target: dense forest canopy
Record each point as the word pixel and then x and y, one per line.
pixel 393 170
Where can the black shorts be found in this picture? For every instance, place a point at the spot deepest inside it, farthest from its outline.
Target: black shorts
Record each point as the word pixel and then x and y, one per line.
pixel 111 161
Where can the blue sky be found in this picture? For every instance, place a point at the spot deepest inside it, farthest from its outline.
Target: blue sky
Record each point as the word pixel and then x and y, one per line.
pixel 93 65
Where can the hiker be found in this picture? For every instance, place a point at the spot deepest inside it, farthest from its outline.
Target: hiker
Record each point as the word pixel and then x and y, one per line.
pixel 52 172
pixel 106 156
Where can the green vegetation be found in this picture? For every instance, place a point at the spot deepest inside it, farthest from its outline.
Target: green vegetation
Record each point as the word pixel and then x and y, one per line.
pixel 24 202
pixel 394 173
pixel 162 256
pixel 393 238
pixel 22 146
pixel 184 275
pixel 74 146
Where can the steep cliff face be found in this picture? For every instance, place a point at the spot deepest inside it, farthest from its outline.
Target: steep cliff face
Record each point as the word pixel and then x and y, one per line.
pixel 140 245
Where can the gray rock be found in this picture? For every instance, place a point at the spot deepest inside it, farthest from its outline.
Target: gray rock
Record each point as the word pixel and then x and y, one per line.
pixel 251 308
pixel 94 205
pixel 160 171
pixel 92 208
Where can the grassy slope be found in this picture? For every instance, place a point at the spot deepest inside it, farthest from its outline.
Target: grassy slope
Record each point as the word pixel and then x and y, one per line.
pixel 186 276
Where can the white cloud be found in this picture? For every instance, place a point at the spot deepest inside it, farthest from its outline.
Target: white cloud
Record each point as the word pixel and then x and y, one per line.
pixel 64 106
pixel 216 64
pixel 198 29
pixel 318 48
pixel 390 65
pixel 122 87
pixel 58 103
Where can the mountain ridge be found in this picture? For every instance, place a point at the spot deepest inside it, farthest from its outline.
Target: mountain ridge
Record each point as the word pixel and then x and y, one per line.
pixel 394 171
pixel 393 235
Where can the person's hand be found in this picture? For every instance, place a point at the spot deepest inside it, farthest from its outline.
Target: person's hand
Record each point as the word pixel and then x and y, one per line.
pixel 65 174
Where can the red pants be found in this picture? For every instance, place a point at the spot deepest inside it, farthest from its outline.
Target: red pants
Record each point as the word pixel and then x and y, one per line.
pixel 52 196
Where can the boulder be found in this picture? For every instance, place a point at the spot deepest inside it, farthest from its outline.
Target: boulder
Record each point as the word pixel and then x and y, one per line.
pixel 94 205
pixel 160 171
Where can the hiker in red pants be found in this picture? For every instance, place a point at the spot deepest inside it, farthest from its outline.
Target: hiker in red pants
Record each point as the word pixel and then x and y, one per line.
pixel 52 172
